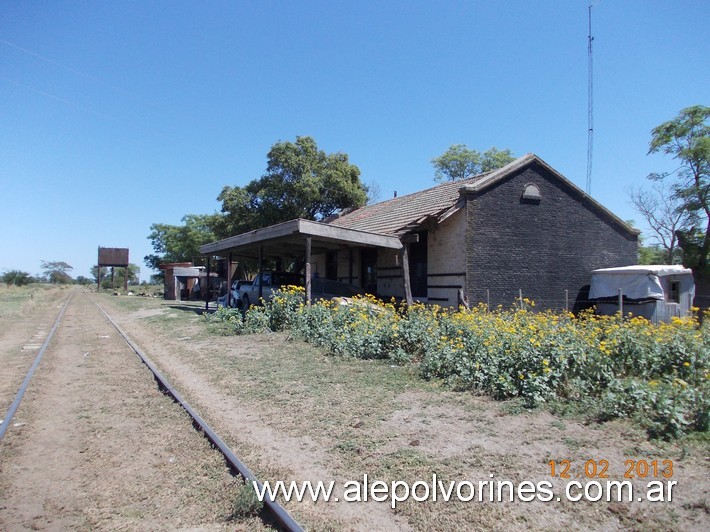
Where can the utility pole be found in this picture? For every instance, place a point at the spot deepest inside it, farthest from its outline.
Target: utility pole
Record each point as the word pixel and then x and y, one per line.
pixel 590 102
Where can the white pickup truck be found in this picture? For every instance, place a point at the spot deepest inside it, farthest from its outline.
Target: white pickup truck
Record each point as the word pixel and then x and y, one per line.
pixel 269 281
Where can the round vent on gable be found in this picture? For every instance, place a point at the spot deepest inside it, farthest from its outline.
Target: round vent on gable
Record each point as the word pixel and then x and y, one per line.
pixel 531 193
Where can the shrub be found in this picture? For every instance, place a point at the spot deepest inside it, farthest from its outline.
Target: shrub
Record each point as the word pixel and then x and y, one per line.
pixel 658 375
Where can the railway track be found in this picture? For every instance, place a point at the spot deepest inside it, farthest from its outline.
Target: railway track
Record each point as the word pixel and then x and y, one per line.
pixel 10 414
pixel 273 513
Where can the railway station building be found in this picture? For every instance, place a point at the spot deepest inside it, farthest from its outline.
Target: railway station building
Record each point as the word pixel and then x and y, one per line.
pixel 523 228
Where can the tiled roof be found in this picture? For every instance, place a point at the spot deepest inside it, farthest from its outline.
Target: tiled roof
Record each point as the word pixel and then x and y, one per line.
pixel 398 215
pixel 393 215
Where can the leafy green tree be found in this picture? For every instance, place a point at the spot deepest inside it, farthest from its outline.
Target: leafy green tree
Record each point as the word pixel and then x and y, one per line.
pixel 652 254
pixel 133 271
pixel 57 272
pixel 80 279
pixel 181 243
pixel 16 277
pixel 458 162
pixel 687 139
pixel 118 274
pixel 301 181
pixel 495 158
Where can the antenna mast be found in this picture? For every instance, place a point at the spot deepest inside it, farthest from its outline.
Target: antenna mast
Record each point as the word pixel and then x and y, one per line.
pixel 590 103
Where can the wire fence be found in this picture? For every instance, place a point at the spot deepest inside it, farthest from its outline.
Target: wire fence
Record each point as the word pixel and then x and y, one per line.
pixel 655 310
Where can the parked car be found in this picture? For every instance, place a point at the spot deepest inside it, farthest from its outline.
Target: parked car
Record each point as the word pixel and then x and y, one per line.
pixel 269 281
pixel 235 299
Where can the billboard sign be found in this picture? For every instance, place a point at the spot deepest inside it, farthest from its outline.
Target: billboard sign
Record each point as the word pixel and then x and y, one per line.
pixel 113 257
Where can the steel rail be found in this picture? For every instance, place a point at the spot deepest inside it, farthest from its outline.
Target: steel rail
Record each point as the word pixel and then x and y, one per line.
pixel 280 515
pixel 5 423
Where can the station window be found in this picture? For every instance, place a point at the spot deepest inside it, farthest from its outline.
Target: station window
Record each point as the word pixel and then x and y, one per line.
pixel 531 194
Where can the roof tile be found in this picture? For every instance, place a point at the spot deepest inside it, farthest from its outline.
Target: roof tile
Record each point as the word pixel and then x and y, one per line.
pixel 390 216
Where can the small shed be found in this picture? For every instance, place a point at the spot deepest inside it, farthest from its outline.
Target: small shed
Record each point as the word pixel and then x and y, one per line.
pixel 656 292
pixel 182 279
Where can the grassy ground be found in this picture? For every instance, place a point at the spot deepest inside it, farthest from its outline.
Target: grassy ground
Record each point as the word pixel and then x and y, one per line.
pixel 16 302
pixel 372 417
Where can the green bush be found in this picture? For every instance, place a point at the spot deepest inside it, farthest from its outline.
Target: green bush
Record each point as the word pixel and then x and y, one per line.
pixel 658 375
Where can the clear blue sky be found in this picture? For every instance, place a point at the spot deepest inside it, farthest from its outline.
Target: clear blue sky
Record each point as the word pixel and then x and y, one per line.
pixel 117 115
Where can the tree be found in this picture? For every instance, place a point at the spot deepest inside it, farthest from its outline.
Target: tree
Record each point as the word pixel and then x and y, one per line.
pixel 133 271
pixel 665 215
pixel 648 254
pixel 16 277
pixel 57 272
pixel 181 243
pixel 458 162
pixel 653 254
pixel 374 193
pixel 687 139
pixel 118 275
pixel 301 181
pixel 495 158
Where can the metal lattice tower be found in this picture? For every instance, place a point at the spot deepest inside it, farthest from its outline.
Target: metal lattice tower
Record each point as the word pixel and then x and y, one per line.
pixel 590 103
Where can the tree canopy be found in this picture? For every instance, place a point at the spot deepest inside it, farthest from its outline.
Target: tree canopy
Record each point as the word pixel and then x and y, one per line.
pixel 119 275
pixel 301 181
pixel 687 139
pixel 180 243
pixel 459 162
pixel 57 272
pixel 16 277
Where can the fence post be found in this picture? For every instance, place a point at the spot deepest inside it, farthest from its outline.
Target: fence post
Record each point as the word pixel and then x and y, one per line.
pixel 462 300
pixel 520 295
pixel 566 300
pixel 621 304
pixel 488 300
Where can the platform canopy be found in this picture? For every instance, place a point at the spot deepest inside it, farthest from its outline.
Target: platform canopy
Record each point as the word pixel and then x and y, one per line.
pixel 288 238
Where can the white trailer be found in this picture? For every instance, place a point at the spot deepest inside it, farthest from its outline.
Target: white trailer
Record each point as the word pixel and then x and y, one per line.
pixel 656 292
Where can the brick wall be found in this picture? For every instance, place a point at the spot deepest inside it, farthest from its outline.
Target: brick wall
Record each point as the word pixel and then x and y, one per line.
pixel 390 282
pixel 447 260
pixel 543 248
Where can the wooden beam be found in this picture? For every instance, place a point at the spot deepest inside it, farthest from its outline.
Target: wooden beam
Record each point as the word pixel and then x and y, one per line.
pixel 350 266
pixel 260 277
pixel 284 231
pixel 323 231
pixel 405 275
pixel 207 285
pixel 229 280
pixel 308 270
pixel 252 237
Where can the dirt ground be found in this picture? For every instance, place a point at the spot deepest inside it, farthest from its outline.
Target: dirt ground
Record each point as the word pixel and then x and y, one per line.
pixel 94 444
pixel 86 455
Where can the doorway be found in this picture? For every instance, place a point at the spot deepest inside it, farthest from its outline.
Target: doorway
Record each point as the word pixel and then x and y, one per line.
pixel 368 270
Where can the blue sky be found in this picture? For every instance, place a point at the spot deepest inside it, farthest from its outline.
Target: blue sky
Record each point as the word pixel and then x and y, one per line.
pixel 117 115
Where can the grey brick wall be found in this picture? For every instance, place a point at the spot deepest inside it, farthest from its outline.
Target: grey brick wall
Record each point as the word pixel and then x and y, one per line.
pixel 542 248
